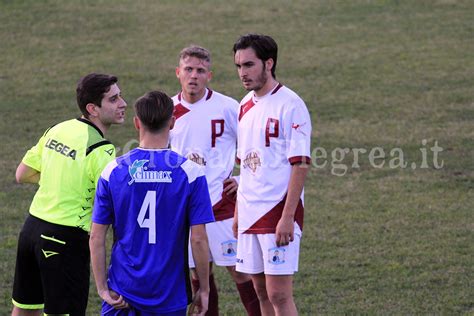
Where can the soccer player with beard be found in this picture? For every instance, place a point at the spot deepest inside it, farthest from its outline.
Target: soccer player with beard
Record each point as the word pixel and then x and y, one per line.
pixel 274 132
pixel 52 266
pixel 206 132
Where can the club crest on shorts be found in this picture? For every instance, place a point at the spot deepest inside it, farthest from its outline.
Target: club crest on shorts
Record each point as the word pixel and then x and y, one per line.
pixel 276 255
pixel 252 161
pixel 139 173
pixel 229 248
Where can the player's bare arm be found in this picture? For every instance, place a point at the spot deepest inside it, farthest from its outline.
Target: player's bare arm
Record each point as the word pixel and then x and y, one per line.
pixel 200 250
pixel 98 253
pixel 26 174
pixel 285 230
pixel 235 224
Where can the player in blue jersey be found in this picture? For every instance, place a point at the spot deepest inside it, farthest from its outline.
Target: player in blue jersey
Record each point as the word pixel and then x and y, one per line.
pixel 152 197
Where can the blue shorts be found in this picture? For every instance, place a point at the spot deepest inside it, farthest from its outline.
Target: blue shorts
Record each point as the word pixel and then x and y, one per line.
pixel 108 310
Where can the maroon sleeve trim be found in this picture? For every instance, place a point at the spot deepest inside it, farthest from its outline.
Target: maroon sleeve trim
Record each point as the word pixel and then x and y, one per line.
pixel 300 159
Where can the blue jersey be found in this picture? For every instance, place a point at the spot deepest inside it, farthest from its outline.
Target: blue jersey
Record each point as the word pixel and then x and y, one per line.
pixel 151 198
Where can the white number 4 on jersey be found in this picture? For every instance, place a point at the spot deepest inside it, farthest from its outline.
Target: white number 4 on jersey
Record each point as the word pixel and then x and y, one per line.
pixel 149 203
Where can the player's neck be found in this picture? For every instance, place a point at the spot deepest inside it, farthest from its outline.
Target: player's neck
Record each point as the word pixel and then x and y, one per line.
pixel 267 87
pixel 193 98
pixel 153 140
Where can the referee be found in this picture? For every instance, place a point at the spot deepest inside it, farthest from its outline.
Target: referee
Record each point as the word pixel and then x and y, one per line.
pixel 52 265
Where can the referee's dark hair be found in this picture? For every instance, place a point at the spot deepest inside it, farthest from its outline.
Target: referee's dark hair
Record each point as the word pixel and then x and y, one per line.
pixel 91 89
pixel 154 110
pixel 264 46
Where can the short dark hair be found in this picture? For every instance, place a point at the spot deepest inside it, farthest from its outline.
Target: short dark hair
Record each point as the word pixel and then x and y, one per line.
pixel 92 88
pixel 195 51
pixel 154 110
pixel 264 46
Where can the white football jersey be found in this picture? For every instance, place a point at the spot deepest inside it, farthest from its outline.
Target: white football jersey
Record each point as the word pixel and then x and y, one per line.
pixel 206 133
pixel 274 132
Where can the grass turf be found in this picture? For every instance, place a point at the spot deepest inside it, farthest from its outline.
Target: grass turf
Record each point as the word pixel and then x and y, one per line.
pixel 373 73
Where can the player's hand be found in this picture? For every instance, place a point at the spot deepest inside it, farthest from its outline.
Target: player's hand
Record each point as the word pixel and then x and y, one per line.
pixel 284 233
pixel 113 299
pixel 200 304
pixel 230 186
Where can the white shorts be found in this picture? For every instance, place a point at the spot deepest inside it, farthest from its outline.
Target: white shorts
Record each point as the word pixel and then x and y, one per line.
pixel 257 253
pixel 222 244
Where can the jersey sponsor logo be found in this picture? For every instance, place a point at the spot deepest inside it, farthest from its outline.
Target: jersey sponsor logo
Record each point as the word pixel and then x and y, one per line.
pixel 195 157
pixel 276 255
pixel 139 173
pixel 61 148
pixel 298 127
pixel 48 253
pixel 252 161
pixel 229 248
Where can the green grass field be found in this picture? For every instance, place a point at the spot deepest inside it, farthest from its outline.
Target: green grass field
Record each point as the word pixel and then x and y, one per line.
pixel 374 74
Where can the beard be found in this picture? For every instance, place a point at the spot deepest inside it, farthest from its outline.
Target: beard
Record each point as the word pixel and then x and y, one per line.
pixel 260 81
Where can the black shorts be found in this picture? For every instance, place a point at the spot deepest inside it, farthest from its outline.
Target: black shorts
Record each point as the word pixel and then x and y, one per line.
pixel 52 268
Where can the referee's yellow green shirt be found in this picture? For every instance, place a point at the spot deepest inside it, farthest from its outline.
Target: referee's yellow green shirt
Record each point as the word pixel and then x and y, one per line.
pixel 70 157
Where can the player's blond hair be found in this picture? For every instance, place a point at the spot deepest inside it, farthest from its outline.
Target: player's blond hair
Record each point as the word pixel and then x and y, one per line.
pixel 195 51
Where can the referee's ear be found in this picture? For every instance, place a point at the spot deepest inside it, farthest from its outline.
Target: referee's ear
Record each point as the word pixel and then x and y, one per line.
pixel 91 109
